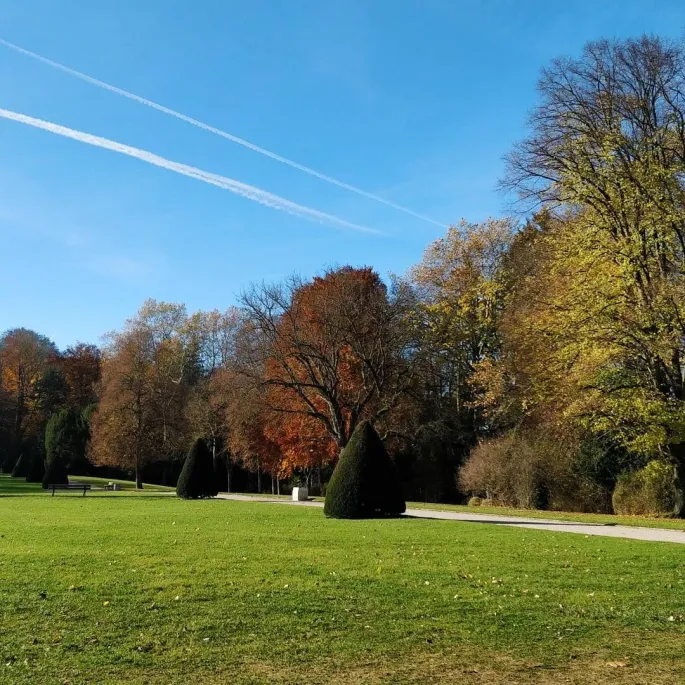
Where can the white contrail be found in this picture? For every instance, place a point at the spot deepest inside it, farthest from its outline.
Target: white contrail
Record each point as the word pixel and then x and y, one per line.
pixel 243 189
pixel 216 131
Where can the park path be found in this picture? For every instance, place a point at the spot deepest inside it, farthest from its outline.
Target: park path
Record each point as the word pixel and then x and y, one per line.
pixel 604 530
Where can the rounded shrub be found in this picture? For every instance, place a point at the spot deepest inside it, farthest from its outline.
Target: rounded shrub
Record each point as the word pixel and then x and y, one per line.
pixel 21 468
pixel 475 502
pixel 651 491
pixel 36 470
pixel 364 482
pixel 55 473
pixel 197 478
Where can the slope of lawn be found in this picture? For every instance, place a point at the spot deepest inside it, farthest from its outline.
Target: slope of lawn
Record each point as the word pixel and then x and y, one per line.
pixel 147 588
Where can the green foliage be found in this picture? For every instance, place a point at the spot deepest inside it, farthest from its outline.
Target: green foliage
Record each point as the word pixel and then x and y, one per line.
pixel 36 470
pixel 20 469
pixel 475 501
pixel 65 438
pixel 197 478
pixel 55 473
pixel 650 491
pixel 364 483
pixel 87 414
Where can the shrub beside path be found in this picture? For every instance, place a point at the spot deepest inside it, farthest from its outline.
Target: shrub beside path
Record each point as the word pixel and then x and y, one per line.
pixel 604 530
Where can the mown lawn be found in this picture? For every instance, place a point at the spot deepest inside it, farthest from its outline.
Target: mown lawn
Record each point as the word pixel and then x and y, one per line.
pixel 146 588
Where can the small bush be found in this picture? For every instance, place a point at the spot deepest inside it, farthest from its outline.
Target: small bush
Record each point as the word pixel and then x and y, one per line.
pixel 21 467
pixel 475 502
pixel 364 482
pixel 55 473
pixel 508 470
pixel 197 478
pixel 651 491
pixel 36 470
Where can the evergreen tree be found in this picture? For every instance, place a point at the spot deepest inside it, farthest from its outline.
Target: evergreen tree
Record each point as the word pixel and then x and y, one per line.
pixel 364 483
pixel 197 478
pixel 65 439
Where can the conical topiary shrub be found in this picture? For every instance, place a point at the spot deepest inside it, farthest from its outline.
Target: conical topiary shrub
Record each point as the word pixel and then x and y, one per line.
pixel 20 469
pixel 364 483
pixel 36 470
pixel 55 473
pixel 197 477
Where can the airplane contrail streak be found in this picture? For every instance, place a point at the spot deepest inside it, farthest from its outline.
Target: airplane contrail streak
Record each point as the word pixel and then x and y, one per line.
pixel 250 192
pixel 211 129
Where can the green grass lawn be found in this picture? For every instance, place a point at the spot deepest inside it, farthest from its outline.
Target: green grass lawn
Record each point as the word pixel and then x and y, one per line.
pixel 146 588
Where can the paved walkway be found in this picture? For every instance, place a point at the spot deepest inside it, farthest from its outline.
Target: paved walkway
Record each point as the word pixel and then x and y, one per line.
pixel 611 531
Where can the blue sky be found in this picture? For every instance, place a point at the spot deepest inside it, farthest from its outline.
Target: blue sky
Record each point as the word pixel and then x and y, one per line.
pixel 413 100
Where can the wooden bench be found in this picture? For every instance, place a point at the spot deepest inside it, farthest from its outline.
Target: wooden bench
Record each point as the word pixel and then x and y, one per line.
pixel 72 486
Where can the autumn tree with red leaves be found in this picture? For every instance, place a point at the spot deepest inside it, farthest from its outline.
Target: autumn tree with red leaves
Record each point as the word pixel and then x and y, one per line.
pixel 329 353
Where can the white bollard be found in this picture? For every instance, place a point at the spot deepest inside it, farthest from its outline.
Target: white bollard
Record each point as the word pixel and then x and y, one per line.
pixel 300 494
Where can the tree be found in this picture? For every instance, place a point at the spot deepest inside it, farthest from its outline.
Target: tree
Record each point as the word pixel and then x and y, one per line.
pixel 213 340
pixel 197 477
pixel 206 412
pixel 81 367
pixel 364 483
pixel 24 357
pixel 460 297
pixel 245 422
pixel 123 426
pixel 65 439
pixel 331 349
pixel 607 154
pixel 147 370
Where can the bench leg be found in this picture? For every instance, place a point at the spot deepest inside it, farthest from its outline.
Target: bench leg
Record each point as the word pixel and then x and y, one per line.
pixel 53 492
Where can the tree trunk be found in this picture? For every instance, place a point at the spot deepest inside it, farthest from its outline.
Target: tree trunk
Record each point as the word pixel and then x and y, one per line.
pixel 139 475
pixel 259 480
pixel 278 486
pixel 228 474
pixel 678 454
